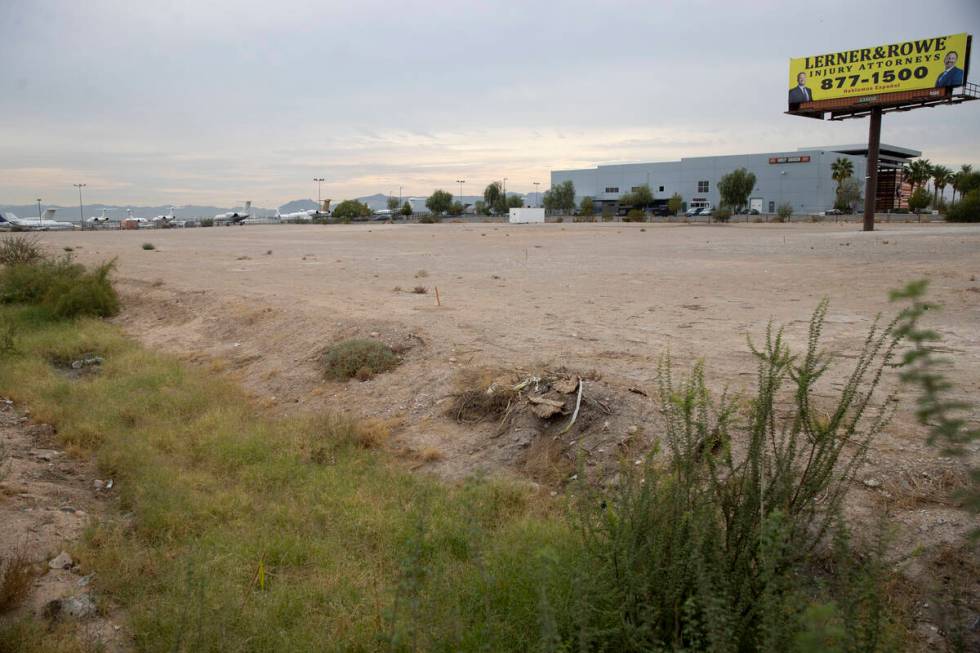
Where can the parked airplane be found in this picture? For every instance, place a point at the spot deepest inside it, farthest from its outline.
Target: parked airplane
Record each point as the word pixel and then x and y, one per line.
pixel 296 215
pixel 44 223
pixel 235 217
pixel 165 220
pixel 99 219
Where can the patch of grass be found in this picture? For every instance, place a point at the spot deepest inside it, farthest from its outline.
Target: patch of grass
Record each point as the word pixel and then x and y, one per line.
pixel 420 290
pixel 61 287
pixel 149 246
pixel 16 576
pixel 20 249
pixel 358 358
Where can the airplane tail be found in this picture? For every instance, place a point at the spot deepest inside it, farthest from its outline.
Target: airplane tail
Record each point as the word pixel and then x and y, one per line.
pixel 278 214
pixel 325 208
pixel 248 205
pixel 48 214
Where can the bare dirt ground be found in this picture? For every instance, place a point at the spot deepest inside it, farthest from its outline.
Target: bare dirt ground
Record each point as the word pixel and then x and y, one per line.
pixel 600 301
pixel 47 498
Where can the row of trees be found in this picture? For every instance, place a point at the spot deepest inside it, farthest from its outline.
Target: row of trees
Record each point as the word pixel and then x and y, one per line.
pixel 918 173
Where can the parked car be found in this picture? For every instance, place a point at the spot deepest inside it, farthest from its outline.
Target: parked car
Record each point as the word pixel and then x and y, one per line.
pixel 833 212
pixel 706 211
pixel 694 210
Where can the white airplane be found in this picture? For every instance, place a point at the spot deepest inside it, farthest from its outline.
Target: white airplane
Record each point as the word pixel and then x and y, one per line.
pixel 141 223
pixel 99 219
pixel 296 215
pixel 166 219
pixel 235 217
pixel 44 223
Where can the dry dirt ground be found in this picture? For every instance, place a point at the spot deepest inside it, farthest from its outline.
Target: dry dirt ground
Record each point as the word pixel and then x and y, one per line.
pixel 600 301
pixel 47 498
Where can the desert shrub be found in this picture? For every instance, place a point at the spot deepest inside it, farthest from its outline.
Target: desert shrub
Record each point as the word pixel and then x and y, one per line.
pixel 16 576
pixel 207 222
pixel 722 214
pixel 420 290
pixel 20 249
pixel 709 549
pixel 919 199
pixel 430 219
pixel 967 209
pixel 785 212
pixel 358 358
pixel 635 215
pixel 61 287
pixel 149 246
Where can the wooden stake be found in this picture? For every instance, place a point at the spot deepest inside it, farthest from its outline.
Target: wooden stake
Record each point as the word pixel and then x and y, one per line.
pixel 438 303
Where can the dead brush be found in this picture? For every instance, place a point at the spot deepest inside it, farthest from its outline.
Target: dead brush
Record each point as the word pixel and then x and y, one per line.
pixel 547 461
pixel 19 249
pixel 480 396
pixel 16 576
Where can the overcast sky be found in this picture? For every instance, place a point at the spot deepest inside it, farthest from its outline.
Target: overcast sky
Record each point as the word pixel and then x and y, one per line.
pixel 217 101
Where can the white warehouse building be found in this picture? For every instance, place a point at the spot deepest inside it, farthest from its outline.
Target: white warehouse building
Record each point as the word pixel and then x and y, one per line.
pixel 801 178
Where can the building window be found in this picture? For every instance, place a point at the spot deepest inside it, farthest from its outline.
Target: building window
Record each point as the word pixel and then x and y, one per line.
pixel 612 189
pixel 702 186
pixel 661 189
pixel 772 206
pixel 634 189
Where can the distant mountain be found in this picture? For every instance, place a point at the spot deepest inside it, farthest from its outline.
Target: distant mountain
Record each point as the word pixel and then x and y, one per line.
pixel 297 205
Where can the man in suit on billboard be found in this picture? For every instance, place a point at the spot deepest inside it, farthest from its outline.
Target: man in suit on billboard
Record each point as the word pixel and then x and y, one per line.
pixel 800 92
pixel 952 76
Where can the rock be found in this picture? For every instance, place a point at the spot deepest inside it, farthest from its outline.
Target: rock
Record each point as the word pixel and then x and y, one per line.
pixel 98 484
pixel 62 561
pixel 80 606
pixel 872 483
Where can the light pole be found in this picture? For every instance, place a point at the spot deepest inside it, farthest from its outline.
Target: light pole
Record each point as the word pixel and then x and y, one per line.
pixel 460 182
pixel 536 184
pixel 81 218
pixel 39 211
pixel 504 190
pixel 318 180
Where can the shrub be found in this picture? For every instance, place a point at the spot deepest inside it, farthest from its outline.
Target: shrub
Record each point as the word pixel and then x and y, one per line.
pixel 149 246
pixel 358 358
pixel 16 576
pixel 207 222
pixel 722 215
pixel 919 199
pixel 713 547
pixel 420 290
pixel 430 219
pixel 635 215
pixel 61 287
pixel 20 249
pixel 785 211
pixel 967 209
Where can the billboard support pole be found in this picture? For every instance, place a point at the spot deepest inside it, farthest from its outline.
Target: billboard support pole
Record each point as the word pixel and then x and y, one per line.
pixel 871 189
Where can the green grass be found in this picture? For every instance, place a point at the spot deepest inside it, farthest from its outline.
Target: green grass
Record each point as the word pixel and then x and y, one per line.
pixel 356 552
pixel 358 358
pixel 239 532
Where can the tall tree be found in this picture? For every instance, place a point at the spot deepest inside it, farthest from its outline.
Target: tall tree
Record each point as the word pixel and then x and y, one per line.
pixel 492 194
pixel 392 204
pixel 841 169
pixel 959 177
pixel 561 197
pixel 735 188
pixel 586 207
pixel 439 202
pixel 918 172
pixel 941 177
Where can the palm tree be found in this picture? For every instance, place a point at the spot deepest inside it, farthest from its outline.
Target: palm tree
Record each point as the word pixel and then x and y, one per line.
pixel 958 178
pixel 841 169
pixel 918 173
pixel 941 177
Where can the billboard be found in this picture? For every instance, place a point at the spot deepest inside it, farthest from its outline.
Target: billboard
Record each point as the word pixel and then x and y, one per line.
pixel 905 66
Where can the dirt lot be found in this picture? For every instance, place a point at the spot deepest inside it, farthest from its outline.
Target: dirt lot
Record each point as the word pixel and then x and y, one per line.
pixel 597 301
pixel 601 300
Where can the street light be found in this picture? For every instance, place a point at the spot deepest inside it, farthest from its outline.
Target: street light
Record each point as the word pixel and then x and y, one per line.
pixel 318 180
pixel 39 211
pixel 536 184
pixel 460 182
pixel 81 217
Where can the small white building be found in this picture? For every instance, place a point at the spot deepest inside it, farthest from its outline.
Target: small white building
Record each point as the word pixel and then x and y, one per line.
pixel 525 216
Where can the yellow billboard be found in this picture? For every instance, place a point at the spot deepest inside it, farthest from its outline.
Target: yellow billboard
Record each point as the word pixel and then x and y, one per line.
pixel 906 66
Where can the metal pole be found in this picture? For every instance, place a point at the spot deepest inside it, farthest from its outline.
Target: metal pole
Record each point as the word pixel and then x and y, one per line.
pixel 871 189
pixel 39 211
pixel 81 213
pixel 536 184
